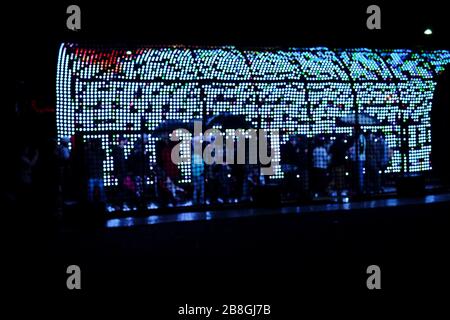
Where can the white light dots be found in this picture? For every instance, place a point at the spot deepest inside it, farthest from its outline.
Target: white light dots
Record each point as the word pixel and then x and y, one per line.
pixel 104 93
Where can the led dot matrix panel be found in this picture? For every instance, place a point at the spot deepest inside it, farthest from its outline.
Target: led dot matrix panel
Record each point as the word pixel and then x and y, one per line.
pixel 104 92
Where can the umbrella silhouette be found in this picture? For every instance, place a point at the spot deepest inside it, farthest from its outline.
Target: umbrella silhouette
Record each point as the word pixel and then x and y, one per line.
pixel 169 126
pixel 228 121
pixel 363 119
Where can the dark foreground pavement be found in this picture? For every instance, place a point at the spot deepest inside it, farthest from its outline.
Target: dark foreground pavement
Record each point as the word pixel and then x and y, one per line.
pixel 292 262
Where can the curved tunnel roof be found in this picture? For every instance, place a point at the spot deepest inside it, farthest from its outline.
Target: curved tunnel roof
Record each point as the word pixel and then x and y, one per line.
pixel 102 91
pixel 232 64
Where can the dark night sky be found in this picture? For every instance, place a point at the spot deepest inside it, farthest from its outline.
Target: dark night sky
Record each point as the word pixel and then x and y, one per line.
pixel 34 30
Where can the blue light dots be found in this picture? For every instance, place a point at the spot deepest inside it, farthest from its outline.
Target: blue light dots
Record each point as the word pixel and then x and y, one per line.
pixel 106 92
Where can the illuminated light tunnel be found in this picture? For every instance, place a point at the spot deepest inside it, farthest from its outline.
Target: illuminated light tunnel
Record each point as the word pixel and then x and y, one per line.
pixel 104 92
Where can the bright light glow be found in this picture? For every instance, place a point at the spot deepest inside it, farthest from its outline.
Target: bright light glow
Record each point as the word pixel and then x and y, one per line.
pixel 428 32
pixel 104 93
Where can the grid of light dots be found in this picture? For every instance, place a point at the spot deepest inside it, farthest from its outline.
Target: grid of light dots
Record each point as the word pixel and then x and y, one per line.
pixel 106 92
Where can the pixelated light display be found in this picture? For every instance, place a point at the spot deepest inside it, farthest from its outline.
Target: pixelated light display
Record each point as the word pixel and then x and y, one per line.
pixel 103 92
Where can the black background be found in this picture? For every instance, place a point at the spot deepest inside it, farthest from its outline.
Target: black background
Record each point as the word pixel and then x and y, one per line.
pixel 250 261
